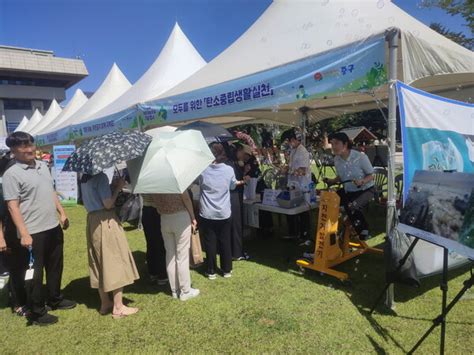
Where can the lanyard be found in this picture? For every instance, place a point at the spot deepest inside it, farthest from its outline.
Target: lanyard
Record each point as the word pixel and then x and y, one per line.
pixel 32 260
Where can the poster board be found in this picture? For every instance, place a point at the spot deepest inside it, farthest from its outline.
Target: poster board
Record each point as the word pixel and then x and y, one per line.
pixel 440 210
pixel 437 133
pixel 65 181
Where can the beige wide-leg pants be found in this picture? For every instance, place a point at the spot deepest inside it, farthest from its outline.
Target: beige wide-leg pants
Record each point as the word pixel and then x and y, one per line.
pixel 176 230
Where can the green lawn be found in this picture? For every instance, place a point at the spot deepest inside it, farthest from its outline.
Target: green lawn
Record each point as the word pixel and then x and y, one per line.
pixel 267 306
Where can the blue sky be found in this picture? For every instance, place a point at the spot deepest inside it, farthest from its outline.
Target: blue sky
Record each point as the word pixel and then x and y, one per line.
pixel 132 32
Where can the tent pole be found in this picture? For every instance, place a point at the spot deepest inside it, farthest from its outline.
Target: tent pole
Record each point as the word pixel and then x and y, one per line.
pixel 391 36
pixel 304 117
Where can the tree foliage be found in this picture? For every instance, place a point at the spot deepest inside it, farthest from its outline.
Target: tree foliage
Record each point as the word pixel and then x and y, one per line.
pixel 457 37
pixel 463 8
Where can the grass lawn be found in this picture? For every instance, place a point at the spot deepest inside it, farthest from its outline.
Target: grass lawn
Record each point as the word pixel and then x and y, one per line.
pixel 267 306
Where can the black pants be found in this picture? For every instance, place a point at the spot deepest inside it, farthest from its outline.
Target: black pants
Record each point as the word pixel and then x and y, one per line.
pixel 16 262
pixel 3 264
pixel 48 255
pixel 155 246
pixel 354 203
pixel 299 225
pixel 236 232
pixel 217 235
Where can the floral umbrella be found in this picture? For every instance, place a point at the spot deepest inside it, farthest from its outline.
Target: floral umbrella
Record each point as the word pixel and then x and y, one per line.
pixel 105 151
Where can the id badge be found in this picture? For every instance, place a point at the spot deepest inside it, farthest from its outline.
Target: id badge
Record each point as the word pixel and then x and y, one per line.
pixel 29 274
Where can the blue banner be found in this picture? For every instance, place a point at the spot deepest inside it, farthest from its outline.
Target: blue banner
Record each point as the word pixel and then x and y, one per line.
pixel 354 68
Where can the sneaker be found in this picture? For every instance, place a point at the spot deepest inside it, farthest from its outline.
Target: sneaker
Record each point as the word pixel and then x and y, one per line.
pixel 227 275
pixel 193 292
pixel 175 295
pixel 211 276
pixel 64 304
pixel 162 282
pixel 244 257
pixel 44 320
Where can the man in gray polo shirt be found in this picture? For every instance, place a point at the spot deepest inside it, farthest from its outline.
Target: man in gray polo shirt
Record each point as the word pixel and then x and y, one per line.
pixel 355 173
pixel 34 207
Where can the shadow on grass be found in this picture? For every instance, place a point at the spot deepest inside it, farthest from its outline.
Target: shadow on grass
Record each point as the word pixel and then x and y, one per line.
pixel 80 291
pixel 377 348
pixel 367 273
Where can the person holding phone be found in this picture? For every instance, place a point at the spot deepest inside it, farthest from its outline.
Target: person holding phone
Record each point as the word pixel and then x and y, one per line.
pixel 111 264
pixel 355 172
pixel 34 207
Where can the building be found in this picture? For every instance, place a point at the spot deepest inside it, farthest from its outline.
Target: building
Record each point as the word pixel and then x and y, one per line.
pixel 359 135
pixel 30 79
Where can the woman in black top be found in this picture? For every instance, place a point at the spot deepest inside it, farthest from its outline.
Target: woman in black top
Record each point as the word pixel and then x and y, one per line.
pixel 236 203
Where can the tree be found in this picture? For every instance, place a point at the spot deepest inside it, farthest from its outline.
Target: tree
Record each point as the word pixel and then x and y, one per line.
pixel 463 8
pixel 457 37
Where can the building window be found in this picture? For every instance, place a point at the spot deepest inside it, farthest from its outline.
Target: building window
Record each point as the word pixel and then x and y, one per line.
pixel 16 104
pixel 33 82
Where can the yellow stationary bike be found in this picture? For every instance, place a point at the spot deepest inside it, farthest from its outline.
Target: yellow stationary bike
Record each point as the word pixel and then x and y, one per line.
pixel 332 249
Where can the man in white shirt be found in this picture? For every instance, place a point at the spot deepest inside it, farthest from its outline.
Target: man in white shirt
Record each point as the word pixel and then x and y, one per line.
pixel 299 173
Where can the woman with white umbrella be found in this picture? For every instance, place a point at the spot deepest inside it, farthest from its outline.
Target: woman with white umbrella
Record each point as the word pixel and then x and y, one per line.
pixel 172 162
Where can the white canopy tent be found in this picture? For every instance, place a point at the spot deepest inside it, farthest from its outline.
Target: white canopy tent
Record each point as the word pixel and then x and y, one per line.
pixel 22 124
pixel 177 61
pixel 289 31
pixel 76 102
pixel 113 86
pixel 34 119
pixel 53 112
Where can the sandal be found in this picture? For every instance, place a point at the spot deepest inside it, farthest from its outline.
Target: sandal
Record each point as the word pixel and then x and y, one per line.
pixel 125 312
pixel 22 311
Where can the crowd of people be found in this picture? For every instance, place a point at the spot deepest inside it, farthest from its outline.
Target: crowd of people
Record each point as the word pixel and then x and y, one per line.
pixel 33 220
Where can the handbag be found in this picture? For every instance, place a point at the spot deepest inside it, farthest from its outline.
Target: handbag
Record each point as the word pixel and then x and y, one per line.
pixel 196 258
pixel 131 209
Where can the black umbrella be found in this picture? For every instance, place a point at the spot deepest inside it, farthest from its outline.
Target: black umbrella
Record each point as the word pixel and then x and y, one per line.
pixel 211 132
pixel 105 151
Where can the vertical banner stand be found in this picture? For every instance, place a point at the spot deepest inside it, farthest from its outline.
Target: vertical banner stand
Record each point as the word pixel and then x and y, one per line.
pixel 445 308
